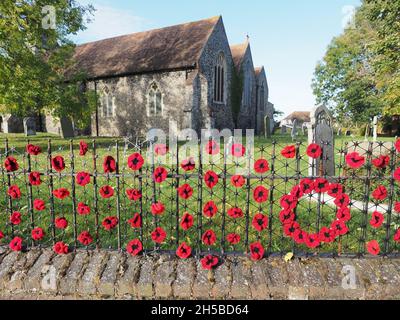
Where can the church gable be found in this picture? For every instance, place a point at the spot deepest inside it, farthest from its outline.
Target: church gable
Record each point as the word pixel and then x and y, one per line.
pixel 215 65
pixel 244 68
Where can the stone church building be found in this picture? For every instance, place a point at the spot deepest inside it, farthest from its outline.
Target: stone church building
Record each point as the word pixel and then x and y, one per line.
pixel 180 77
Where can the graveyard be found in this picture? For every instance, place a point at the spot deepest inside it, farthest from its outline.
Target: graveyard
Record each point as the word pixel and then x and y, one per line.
pixel 149 154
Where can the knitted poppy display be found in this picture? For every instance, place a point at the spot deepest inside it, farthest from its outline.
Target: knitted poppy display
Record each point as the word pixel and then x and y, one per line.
pixel 61 193
pixel 133 194
pixel 83 148
pixel 184 251
pixel 326 234
pixel 109 164
pixel 158 235
pixel 161 149
pixel 238 181
pixel 212 147
pixel 260 222
pixel 160 174
pixel 83 209
pixel 373 247
pixel 209 262
pixel 85 238
pixel 256 251
pixel 135 161
pixel 16 244
pixel 82 178
pixel 33 150
pixel 106 192
pixel 60 248
pixel 314 151
pixel 37 234
pixel 381 162
pixel 210 209
pixel 136 221
pixel 354 160
pixel 188 164
pixel 260 194
pixel 238 150
pixel 34 178
pixel 233 238
pixel 185 191
pixel 58 163
pixel 14 192
pixel 289 152
pixel 11 164
pixel 187 221
pixel 157 208
pixel 211 179
pixel 380 193
pixel 134 247
pixel 261 166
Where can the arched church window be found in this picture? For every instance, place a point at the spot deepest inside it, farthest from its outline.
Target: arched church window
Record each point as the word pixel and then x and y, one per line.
pixel 107 105
pixel 154 101
pixel 219 79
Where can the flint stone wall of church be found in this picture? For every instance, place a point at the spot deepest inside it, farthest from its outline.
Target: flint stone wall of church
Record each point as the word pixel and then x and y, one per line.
pixel 218 42
pixel 131 103
pixel 246 117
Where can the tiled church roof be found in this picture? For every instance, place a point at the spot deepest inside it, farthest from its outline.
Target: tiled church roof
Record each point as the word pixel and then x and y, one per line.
pixel 168 48
pixel 303 116
pixel 258 70
pixel 238 52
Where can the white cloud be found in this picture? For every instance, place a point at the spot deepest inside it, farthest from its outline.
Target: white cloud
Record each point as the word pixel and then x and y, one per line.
pixel 109 22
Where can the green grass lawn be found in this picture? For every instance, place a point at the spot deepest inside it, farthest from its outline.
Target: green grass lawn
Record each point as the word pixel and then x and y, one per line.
pixel 287 174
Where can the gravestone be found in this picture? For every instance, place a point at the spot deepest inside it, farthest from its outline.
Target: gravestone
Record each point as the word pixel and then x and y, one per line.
pixel 283 129
pixel 321 132
pixel 67 130
pixel 293 133
pixel 367 132
pixel 267 127
pixel 375 126
pixel 12 124
pixel 29 126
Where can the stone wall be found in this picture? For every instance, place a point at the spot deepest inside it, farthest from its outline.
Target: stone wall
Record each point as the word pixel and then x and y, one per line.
pixel 41 274
pixel 131 102
pixel 246 117
pixel 217 43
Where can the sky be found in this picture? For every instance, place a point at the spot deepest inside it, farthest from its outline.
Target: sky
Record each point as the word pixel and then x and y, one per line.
pixel 287 37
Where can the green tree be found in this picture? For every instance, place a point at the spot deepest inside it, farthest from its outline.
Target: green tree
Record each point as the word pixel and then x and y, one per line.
pixel 385 19
pixel 34 57
pixel 359 74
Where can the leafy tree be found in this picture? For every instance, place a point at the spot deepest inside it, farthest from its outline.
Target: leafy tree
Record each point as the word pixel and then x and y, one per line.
pixel 359 74
pixel 385 18
pixel 33 59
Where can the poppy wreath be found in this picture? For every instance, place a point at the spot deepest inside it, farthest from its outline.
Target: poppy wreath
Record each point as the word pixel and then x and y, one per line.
pixel 326 234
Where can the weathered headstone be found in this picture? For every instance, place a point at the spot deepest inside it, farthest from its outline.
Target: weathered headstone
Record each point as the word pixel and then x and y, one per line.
pixel 29 126
pixel 267 127
pixel 283 129
pixel 321 132
pixel 367 132
pixel 293 133
pixel 67 130
pixel 375 126
pixel 12 124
